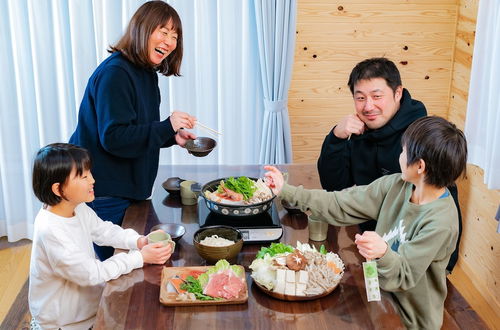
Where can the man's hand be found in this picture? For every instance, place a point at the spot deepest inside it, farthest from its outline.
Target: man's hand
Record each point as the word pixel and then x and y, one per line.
pixel 349 125
pixel 370 245
pixel 183 136
pixel 181 120
pixel 274 179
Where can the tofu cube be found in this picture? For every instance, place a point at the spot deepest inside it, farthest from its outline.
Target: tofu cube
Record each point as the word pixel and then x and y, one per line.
pixel 300 289
pixel 303 277
pixel 280 281
pixel 290 276
pixel 280 287
pixel 290 289
pixel 280 275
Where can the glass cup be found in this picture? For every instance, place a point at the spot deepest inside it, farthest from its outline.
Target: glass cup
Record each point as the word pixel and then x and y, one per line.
pixel 318 230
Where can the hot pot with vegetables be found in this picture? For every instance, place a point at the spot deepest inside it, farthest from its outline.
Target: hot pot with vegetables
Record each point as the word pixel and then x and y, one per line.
pixel 236 196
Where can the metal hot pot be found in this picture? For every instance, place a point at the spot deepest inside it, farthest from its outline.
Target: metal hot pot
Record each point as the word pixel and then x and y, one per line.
pixel 229 209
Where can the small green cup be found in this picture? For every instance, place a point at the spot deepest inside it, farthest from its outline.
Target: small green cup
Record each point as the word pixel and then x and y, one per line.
pixel 160 236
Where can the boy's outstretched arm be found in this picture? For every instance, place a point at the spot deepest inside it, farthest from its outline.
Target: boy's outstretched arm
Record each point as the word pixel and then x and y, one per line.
pixel 370 245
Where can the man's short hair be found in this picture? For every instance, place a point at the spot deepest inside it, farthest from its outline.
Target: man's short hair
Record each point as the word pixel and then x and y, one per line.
pixel 53 164
pixel 441 145
pixel 377 67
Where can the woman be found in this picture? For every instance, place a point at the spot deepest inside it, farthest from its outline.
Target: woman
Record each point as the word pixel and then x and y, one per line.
pixel 119 117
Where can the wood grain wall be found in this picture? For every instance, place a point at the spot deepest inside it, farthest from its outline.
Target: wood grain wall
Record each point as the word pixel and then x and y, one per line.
pixel 431 42
pixel 332 36
pixel 480 244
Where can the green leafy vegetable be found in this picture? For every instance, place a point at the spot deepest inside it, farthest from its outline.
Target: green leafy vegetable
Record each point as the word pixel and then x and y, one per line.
pixel 322 249
pixel 193 285
pixel 203 279
pixel 274 249
pixel 241 185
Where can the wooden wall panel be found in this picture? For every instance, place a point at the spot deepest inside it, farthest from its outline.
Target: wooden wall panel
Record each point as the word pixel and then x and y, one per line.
pixel 480 244
pixel 333 36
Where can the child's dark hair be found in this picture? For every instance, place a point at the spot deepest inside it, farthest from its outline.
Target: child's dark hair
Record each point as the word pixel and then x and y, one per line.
pixel 53 164
pixel 377 67
pixel 441 145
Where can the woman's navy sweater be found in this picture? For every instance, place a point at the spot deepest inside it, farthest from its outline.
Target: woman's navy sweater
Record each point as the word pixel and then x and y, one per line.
pixel 119 123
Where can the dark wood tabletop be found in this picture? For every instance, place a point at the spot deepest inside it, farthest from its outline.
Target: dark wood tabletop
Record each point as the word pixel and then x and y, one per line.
pixel 132 301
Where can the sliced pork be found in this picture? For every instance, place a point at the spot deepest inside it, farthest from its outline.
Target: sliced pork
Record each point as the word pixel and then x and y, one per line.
pixel 224 284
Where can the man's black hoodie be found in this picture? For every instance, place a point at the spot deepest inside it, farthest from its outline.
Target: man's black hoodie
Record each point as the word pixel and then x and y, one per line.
pixel 366 157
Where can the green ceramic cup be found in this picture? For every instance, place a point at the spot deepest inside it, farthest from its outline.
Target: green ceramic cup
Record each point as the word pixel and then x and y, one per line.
pixel 160 236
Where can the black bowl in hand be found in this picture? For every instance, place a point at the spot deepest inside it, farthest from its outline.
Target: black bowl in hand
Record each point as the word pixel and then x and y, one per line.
pixel 201 146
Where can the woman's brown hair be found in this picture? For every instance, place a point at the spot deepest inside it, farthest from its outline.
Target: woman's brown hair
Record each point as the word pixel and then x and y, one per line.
pixel 134 42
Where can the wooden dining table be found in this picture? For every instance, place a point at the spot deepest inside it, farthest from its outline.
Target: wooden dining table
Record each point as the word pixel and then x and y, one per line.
pixel 132 300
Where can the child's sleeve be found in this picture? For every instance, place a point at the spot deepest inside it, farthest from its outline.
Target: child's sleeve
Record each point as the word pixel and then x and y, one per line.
pixel 402 269
pixel 74 263
pixel 341 208
pixel 105 233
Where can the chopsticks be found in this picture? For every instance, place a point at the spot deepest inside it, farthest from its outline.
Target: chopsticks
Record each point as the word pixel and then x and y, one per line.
pixel 207 128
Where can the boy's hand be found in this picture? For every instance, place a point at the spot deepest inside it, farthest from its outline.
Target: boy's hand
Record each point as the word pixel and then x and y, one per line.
pixel 370 245
pixel 274 179
pixel 156 253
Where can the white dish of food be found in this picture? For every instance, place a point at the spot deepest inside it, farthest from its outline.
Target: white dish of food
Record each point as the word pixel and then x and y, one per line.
pixel 301 273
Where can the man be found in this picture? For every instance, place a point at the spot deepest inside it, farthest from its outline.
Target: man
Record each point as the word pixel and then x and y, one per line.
pixel 365 146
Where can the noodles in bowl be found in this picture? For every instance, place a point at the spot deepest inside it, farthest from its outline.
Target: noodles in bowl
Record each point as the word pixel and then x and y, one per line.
pixel 215 240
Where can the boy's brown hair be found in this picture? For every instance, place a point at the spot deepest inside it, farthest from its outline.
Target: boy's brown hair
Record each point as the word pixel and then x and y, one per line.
pixel 441 145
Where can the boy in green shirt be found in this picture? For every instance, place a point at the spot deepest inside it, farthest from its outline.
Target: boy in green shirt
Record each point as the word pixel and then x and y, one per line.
pixel 416 217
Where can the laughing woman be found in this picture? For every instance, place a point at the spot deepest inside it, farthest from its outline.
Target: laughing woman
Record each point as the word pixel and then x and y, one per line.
pixel 119 117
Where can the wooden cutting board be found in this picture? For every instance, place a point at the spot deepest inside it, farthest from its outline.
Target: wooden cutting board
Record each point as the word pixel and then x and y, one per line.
pixel 168 296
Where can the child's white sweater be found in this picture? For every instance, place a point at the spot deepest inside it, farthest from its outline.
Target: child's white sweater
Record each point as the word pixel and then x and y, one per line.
pixel 66 278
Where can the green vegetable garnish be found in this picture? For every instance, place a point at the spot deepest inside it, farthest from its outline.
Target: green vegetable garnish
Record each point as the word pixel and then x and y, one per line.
pixel 274 249
pixel 322 249
pixel 193 285
pixel 241 185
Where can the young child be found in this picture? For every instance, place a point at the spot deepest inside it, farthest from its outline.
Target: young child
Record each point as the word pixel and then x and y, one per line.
pixel 66 278
pixel 416 217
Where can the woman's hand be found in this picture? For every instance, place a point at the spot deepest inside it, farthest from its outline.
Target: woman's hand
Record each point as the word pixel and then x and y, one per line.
pixel 274 179
pixel 183 136
pixel 156 253
pixel 370 245
pixel 181 120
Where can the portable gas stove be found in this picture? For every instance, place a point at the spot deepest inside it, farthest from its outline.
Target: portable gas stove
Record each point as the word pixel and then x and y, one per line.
pixel 259 228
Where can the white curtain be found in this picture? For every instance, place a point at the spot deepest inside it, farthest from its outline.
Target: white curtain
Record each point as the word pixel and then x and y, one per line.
pixel 482 124
pixel 276 33
pixel 49 49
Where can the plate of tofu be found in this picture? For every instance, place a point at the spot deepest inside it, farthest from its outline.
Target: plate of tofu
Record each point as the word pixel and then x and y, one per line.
pixel 292 287
pixel 300 273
